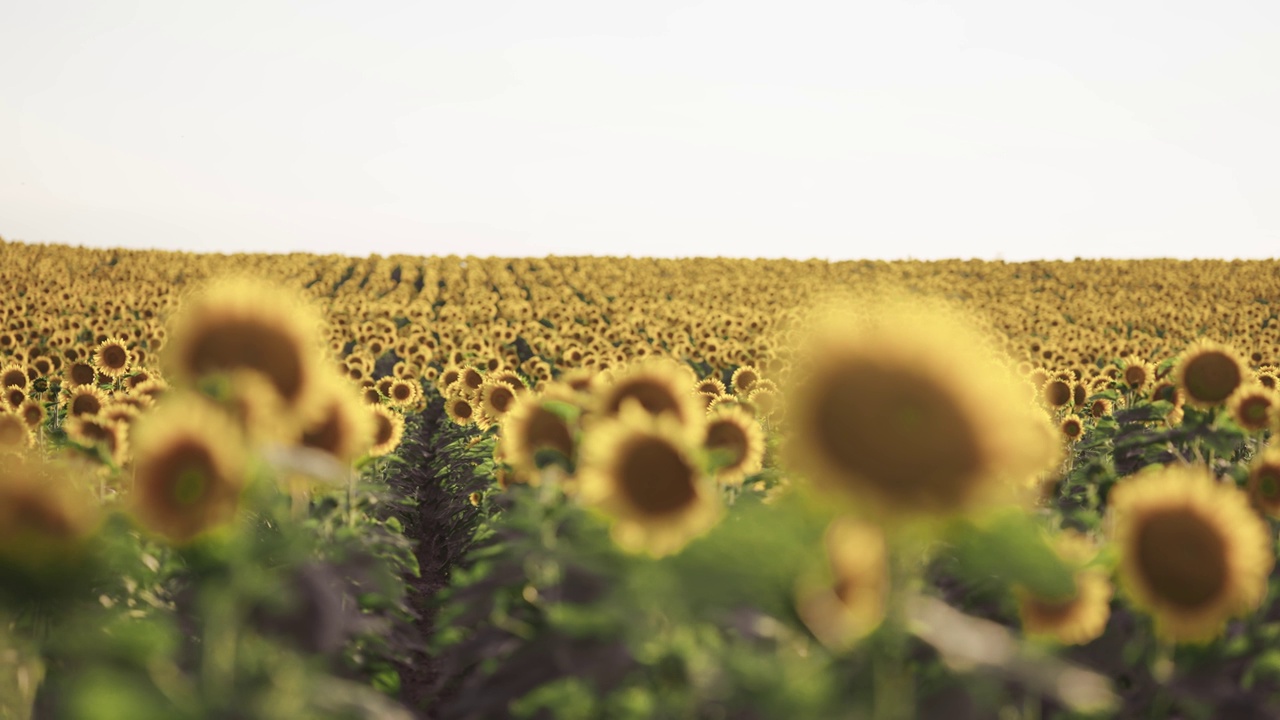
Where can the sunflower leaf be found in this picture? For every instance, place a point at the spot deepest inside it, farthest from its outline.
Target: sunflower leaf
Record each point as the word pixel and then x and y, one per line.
pixel 1012 549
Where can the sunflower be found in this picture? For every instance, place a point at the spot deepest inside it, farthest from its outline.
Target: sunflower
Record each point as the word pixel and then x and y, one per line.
pixel 911 416
pixel 1100 408
pixel 539 430
pixel 80 373
pixel 1253 408
pixel 659 387
pixel 460 410
pixel 496 399
pixel 13 375
pixel 740 441
pixel 709 386
pixel 843 609
pixel 403 393
pixel 744 380
pixel 1264 482
pixel 1192 551
pixel 13 398
pixel 1072 427
pixel 1076 619
pixel 1208 373
pixel 112 358
pixel 1138 374
pixel 1057 393
pixel 343 426
pixel 643 472
pixel 388 429
pixel 85 400
pixel 190 468
pixel 44 520
pixel 249 325
pixel 32 413
pixel 96 431
pixel 15 434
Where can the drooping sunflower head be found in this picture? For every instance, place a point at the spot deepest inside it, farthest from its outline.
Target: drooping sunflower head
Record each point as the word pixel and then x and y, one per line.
pixel 246 324
pixel 1208 373
pixel 112 358
pixel 190 465
pixel 911 417
pixel 1192 551
pixel 737 443
pixel 642 471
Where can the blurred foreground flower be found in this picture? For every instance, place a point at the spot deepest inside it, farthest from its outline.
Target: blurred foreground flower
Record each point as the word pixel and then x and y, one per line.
pixel 910 415
pixel 1078 618
pixel 852 605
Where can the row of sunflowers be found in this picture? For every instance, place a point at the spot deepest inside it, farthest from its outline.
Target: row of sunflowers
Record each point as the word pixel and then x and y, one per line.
pixel 703 488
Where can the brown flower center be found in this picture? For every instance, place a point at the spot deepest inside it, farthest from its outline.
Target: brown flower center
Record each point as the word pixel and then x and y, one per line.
pixel 1181 558
pixel 655 478
pixel 1211 377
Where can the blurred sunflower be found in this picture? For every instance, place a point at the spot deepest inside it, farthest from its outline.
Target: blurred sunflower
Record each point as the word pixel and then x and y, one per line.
pixel 460 410
pixel 910 416
pixel 15 434
pixel 658 386
pixel 843 610
pixel 1072 427
pixel 1138 374
pixel 496 399
pixel 739 441
pixel 1264 482
pixel 533 428
pixel 43 518
pixel 32 413
pixel 1073 620
pixel 96 431
pixel 246 324
pixel 13 398
pixel 342 426
pixel 1208 373
pixel 1192 551
pixel 189 468
pixel 13 375
pixel 112 358
pixel 1253 408
pixel 744 380
pixel 643 472
pixel 1057 393
pixel 80 373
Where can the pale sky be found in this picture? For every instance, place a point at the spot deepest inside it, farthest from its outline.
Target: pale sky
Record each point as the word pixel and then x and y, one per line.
pixel 856 129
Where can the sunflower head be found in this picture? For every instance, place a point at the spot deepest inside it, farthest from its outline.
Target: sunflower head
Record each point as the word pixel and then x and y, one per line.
pixel 341 426
pixel 496 399
pixel 85 400
pixel 13 375
pixel 643 471
pixel 112 358
pixel 659 387
pixel 1072 427
pixel 45 521
pixel 910 416
pixel 1254 408
pixel 1192 551
pixel 15 434
pixel 248 325
pixel 540 430
pixel 736 443
pixel 1207 374
pixel 190 468
pixel 1264 482
pixel 96 431
pixel 388 429
pixel 744 380
pixel 1076 619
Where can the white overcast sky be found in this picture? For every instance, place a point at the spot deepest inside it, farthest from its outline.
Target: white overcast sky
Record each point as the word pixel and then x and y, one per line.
pixel 863 128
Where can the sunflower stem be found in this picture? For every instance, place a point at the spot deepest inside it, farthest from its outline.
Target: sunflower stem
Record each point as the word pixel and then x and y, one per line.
pixel 893 694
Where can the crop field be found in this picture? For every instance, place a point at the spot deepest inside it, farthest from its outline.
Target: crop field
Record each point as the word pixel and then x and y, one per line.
pixel 303 486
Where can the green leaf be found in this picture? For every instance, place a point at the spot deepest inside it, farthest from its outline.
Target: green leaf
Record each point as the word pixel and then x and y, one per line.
pixel 1011 548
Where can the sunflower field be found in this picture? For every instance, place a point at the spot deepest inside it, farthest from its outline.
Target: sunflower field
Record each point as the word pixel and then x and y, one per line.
pixel 302 486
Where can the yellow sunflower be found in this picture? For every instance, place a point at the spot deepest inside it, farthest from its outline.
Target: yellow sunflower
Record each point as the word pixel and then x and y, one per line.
pixel 1073 620
pixel 248 325
pixel 189 468
pixel 533 427
pixel 496 399
pixel 643 472
pixel 744 380
pixel 13 375
pixel 845 608
pixel 85 400
pixel 388 429
pixel 910 416
pixel 1208 373
pixel 112 358
pixel 739 440
pixel 460 410
pixel 1264 482
pixel 342 426
pixel 1254 408
pixel 44 519
pixel 15 434
pixel 658 386
pixel 1192 551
